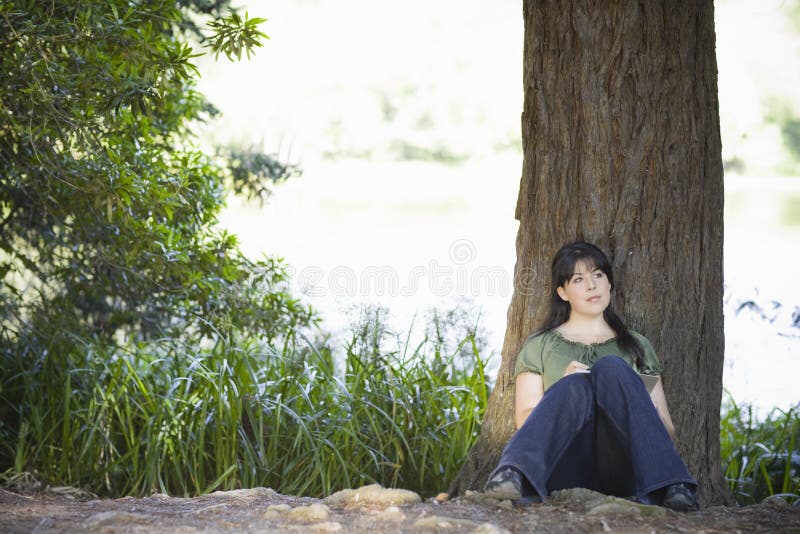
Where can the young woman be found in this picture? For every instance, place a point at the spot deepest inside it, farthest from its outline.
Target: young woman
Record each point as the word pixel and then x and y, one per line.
pixel 584 417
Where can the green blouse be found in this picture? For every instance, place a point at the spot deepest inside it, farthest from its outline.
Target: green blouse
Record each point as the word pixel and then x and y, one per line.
pixel 548 354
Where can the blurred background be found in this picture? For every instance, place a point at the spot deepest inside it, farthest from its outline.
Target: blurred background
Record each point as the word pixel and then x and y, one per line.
pixel 404 120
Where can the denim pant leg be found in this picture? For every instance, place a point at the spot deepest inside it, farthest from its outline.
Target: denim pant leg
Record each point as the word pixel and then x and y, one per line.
pixel 624 407
pixel 566 411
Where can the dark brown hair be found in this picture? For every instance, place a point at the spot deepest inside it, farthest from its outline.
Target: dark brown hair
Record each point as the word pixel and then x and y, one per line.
pixel 561 270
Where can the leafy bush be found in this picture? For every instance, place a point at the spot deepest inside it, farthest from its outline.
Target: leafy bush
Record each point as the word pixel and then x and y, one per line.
pixel 760 457
pixel 108 207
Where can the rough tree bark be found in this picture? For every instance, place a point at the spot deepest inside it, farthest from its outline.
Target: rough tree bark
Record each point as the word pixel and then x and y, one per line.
pixel 621 144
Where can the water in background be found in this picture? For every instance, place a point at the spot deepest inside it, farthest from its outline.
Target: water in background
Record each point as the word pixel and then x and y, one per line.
pixel 360 233
pixel 762 291
pixel 422 212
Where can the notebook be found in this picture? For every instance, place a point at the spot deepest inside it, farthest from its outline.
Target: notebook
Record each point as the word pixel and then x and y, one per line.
pixel 650 381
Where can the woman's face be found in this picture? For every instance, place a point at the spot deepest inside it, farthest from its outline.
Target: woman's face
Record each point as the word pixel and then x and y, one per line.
pixel 587 291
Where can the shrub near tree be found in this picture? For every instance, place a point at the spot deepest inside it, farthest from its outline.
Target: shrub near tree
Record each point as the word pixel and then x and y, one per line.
pixel 107 205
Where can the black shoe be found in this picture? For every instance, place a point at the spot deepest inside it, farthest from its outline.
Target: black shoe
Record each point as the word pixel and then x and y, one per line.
pixel 510 484
pixel 680 497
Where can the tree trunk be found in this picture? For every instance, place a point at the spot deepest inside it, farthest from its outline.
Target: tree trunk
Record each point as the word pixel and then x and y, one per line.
pixel 621 143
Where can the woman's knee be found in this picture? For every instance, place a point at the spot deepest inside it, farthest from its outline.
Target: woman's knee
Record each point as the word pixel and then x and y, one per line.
pixel 610 364
pixel 575 387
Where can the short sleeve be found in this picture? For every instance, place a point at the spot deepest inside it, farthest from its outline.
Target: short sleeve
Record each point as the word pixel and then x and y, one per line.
pixel 530 357
pixel 650 363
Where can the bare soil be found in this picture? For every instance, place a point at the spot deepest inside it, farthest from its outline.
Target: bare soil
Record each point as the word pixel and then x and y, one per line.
pixel 263 510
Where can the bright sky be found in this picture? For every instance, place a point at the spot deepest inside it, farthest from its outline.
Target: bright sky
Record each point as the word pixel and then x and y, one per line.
pixel 369 79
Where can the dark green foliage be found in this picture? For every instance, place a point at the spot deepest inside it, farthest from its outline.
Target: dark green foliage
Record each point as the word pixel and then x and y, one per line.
pixel 107 207
pixel 252 173
pixel 760 458
pixel 107 225
pixel 235 35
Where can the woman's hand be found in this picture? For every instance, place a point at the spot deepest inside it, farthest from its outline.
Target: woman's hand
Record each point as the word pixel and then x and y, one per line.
pixel 575 367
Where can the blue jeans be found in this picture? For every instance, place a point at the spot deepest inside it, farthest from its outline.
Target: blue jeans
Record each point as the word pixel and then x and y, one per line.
pixel 599 431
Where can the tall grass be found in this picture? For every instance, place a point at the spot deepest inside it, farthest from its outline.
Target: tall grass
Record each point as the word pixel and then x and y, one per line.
pixel 174 418
pixel 760 457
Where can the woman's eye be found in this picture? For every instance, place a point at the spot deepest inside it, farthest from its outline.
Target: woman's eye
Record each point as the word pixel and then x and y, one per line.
pixel 598 274
pixel 577 279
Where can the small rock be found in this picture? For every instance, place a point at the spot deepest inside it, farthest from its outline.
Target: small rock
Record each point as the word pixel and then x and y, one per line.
pixel 326 526
pixel 627 508
pixel 508 505
pixel 435 522
pixel 313 512
pixel 373 494
pixel 594 503
pixel 490 528
pixel 774 501
pixel 613 508
pixel 275 510
pixel 392 513
pixel 442 497
pixel 580 497
pixel 484 499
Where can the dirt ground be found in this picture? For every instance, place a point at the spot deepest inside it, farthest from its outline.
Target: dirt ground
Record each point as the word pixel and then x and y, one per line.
pixel 371 510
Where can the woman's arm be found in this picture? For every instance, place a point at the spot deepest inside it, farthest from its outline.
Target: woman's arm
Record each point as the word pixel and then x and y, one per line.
pixel 660 402
pixel 529 391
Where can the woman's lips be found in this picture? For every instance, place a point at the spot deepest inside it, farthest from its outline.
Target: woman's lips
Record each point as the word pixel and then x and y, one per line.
pixel 593 299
